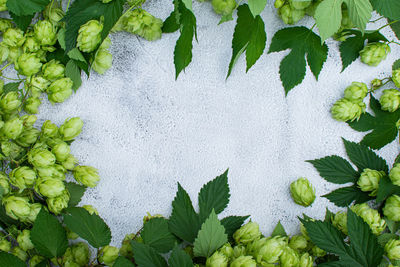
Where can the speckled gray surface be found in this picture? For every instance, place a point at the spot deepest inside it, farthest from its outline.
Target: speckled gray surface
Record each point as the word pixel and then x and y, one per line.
pixel 145 131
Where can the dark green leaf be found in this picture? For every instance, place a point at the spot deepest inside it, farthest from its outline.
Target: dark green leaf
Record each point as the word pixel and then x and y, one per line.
pixel 146 256
pixel 279 230
pixel 123 262
pixel 11 87
pixel 388 8
pixel 385 237
pixel 329 215
pixel 74 73
pixel 335 169
pixel 363 157
pixel 26 7
pixel 366 123
pixel 9 260
pixel 89 227
pixel 249 36
pixel 344 196
pixel 157 235
pixel 22 22
pixel 82 11
pixel 392 226
pixel 396 65
pixel 76 192
pixel 171 24
pixel 232 223
pixel 211 237
pixel 179 258
pixel 214 196
pixel 386 189
pixel 184 221
pixel 293 67
pixel 48 235
pixel 396 28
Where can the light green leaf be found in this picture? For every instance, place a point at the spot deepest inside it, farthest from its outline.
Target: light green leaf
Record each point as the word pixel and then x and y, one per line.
pixel 48 235
pixel 157 235
pixel 76 54
pixel 89 227
pixel 257 6
pixel 211 237
pixel 279 230
pixel 61 38
pixel 180 258
pixel 328 17
pixel 146 256
pixel 360 12
pixel 26 7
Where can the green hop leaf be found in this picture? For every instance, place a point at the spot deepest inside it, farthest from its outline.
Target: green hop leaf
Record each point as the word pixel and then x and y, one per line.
pixel 359 12
pixel 73 72
pixel 279 230
pixel 345 196
pixel 387 8
pixel 180 258
pixel 257 6
pixel 76 192
pixel 386 189
pixel 22 22
pixel 123 262
pixel 146 256
pixel 26 7
pixel 7 259
pixel 328 17
pixel 293 67
pixel 233 223
pixel 157 235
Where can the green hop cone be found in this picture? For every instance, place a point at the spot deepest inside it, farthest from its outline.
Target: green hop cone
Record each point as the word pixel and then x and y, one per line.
pixel 356 91
pixel 374 53
pixel 31 45
pixel 289 258
pixel 4 183
pixel 376 83
pixel 35 260
pixel 106 1
pixel 55 171
pixel 54 13
pixel 58 204
pixel 10 102
pixel 13 37
pixel 396 77
pixel 3 5
pixel 28 137
pixel 217 260
pixel 28 121
pixel 244 261
pixel 14 53
pixel 247 233
pixel 394 174
pixel 267 250
pixel 227 250
pixel 11 150
pixel 346 110
pixel 35 209
pixel 371 217
pixel 239 250
pixel 369 181
pixel 13 128
pixel 279 3
pixel 5 245
pixel 126 247
pixel 70 162
pixel 298 242
pixel 24 240
pixel 92 210
pixel 317 252
pixel 290 15
pixel 32 105
pixel 81 253
pixel 108 255
pixel 50 187
pixel 28 64
pixel 5 24
pixel 45 32
pixel 23 177
pixel 86 175
pixel 392 249
pixel 61 151
pixel 53 70
pixel 392 208
pixel 306 260
pixel 89 36
pixel 71 128
pixel 37 85
pixel 142 23
pixel 340 221
pixel 17 208
pixel 20 253
pixel 41 157
pixel 60 90
pixel 71 235
pixel 302 191
pixel 49 129
pixel 223 7
pixel 148 217
pixel 390 100
pixel 300 4
pixel 102 61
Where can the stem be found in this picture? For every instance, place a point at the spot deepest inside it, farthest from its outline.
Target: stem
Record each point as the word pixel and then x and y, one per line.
pixel 393 42
pixel 69 2
pixel 390 23
pixel 6 66
pixel 19 80
pixel 313 26
pixel 373 21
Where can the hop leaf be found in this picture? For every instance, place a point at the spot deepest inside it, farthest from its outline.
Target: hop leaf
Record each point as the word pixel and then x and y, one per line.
pixel 26 7
pixel 328 17
pixel 387 8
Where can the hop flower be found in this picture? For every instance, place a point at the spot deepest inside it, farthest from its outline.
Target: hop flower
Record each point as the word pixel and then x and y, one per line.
pixel 24 240
pixel 50 187
pixel 371 217
pixel 106 1
pixel 53 70
pixel 11 150
pixel 217 260
pixel 148 217
pixel 302 192
pixel 142 23
pixel 70 162
pixel 5 185
pixel 392 249
pixel 239 250
pixel 17 208
pixel 369 180
pixel 268 250
pixel 396 77
pixel 92 210
pixel 35 260
pixel 38 85
pixel 20 253
pixel 317 252
pixel 41 157
pixel 105 44
pixel 13 128
pixel 71 128
pixel 300 4
pixel 376 83
pixel 289 258
pixel 346 110
pixel 35 209
pixel 49 129
pixel 126 248
pixel 86 175
pixel 244 261
pixel 356 91
pixel 390 100
pixel 279 3
pixel 13 37
pixel 340 221
pixel 79 253
pixel 306 260
pixel 45 32
pixel 108 255
pixel 28 64
pixel 61 151
pixel 57 204
pixel 10 102
pixel 55 171
pixel 394 174
pixel 28 121
pixel 247 233
pixel 28 137
pixel 392 208
pixel 53 13
pixel 5 24
pixel 227 250
pixel 223 7
pixel 31 45
pixel 23 177
pixel 60 90
pixel 14 53
pixel 3 5
pixel 298 242
pixel 32 104
pixel 374 53
pixel 5 245
pixel 89 36
pixel 290 15
pixel 102 61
